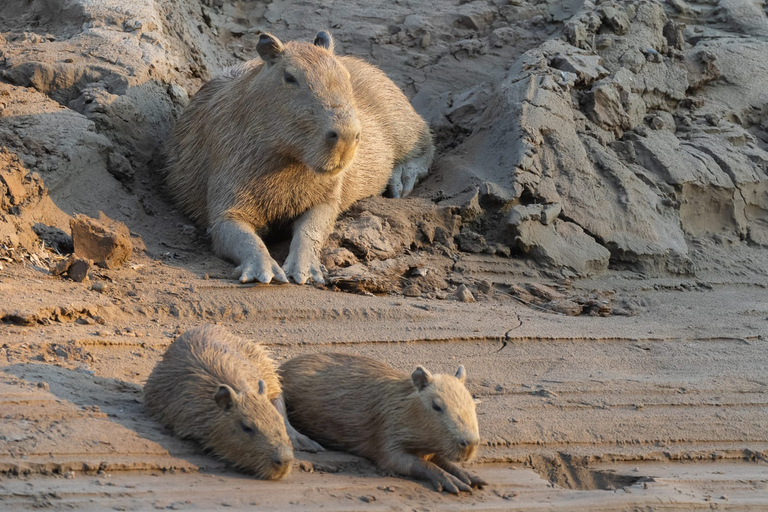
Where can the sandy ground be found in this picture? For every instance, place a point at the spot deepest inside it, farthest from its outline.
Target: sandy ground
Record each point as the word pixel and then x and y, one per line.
pixel 662 410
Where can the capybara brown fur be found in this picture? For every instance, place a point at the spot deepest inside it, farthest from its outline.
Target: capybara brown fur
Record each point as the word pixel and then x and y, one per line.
pixel 218 390
pixel 297 136
pixel 417 425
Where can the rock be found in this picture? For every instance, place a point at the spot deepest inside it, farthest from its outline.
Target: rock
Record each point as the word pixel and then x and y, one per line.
pixel 471 209
pixel 485 286
pixel 587 68
pixel 470 241
pixel 63 265
pixel 550 212
pixel 521 293
pixel 338 257
pixel 545 292
pixel 496 193
pixel 100 286
pixel 78 270
pixel 44 386
pixel 368 237
pixel 119 167
pixel 562 244
pixel 412 291
pixel 464 295
pixel 106 242
pixel 520 213
pixel 565 306
pixel 306 466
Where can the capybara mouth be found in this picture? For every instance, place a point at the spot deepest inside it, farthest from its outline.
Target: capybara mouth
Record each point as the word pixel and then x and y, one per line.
pixel 465 455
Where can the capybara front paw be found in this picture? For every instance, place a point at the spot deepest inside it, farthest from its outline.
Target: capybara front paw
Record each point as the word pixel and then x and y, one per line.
pixel 444 481
pixel 301 266
pixel 449 483
pixel 469 478
pixel 302 443
pixel 262 270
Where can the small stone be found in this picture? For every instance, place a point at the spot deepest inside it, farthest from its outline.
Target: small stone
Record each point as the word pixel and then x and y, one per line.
pixel 545 292
pixel 368 499
pixel 63 265
pixel 520 213
pixel 521 293
pixel 306 466
pixel 425 40
pixel 485 286
pixel 106 242
pixel 100 286
pixel 502 250
pixel 550 212
pixel 78 271
pixel 44 386
pixel 464 295
pixel 470 241
pixel 412 291
pixel 567 307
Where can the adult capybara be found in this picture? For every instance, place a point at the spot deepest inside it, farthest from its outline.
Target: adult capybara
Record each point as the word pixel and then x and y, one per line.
pixel 297 136
pixel 417 426
pixel 221 391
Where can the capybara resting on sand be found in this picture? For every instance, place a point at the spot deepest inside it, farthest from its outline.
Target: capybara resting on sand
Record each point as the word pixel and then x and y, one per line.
pixel 297 136
pixel 418 425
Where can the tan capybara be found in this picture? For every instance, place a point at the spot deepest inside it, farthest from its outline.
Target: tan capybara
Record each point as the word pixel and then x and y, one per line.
pixel 298 135
pixel 223 392
pixel 417 426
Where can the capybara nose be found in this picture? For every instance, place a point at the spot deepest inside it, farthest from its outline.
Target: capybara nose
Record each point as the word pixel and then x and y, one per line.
pixel 349 136
pixel 283 457
pixel 463 444
pixel 468 442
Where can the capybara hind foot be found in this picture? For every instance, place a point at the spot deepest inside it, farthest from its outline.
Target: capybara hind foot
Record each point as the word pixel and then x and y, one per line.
pixel 298 440
pixel 405 175
pixel 301 442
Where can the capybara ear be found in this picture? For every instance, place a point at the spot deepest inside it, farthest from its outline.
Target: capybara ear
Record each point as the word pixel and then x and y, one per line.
pixel 225 397
pixel 262 387
pixel 461 373
pixel 421 377
pixel 269 47
pixel 324 40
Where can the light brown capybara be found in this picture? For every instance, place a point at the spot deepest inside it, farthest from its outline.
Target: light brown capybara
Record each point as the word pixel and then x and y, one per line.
pixel 418 425
pixel 297 136
pixel 223 392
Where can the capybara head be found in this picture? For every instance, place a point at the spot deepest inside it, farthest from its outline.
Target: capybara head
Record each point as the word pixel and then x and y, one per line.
pixel 448 414
pixel 251 433
pixel 308 103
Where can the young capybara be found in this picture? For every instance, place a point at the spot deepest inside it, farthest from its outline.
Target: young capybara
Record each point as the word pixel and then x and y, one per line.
pixel 417 426
pixel 297 136
pixel 223 392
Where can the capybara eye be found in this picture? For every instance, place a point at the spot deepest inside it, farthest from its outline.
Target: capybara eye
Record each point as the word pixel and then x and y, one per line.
pixel 290 79
pixel 246 428
pixel 436 407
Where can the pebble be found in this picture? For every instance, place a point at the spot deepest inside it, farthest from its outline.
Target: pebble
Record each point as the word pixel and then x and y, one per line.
pixel 464 295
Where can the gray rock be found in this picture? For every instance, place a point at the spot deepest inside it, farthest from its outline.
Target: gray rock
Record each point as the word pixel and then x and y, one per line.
pixel 550 212
pixel 464 295
pixel 587 68
pixel 562 245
